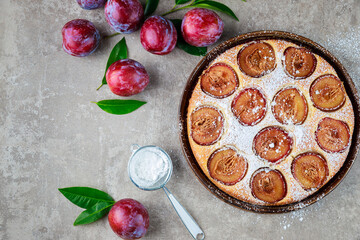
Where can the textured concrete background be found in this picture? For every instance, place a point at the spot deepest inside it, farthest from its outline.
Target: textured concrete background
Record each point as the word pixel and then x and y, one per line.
pixel 51 136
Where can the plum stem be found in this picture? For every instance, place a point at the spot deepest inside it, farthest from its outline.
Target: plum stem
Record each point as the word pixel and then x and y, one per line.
pixel 174 9
pixel 99 86
pixel 110 36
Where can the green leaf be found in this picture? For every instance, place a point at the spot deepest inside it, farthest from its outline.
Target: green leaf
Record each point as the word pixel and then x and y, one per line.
pixel 85 197
pixel 94 213
pixel 119 106
pixel 177 23
pixel 118 52
pixel 197 51
pixel 181 1
pixel 150 7
pixel 215 6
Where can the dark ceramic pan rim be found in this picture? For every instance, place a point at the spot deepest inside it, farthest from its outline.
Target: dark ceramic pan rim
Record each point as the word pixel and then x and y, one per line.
pixel 263 35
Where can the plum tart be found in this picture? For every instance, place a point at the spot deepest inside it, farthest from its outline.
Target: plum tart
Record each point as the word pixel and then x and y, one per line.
pixel 269 122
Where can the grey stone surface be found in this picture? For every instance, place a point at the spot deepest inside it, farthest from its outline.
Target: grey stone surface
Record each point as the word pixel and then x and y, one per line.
pixel 52 136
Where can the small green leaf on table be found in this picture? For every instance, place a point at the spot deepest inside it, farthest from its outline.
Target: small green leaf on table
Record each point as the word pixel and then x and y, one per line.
pixel 85 197
pixel 197 51
pixel 117 53
pixel 94 213
pixel 213 5
pixel 150 7
pixel 119 106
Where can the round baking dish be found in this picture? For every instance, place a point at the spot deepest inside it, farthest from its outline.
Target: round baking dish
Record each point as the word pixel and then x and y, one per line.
pixel 263 35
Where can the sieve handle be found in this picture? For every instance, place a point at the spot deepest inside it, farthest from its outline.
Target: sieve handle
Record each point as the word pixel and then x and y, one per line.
pixel 185 217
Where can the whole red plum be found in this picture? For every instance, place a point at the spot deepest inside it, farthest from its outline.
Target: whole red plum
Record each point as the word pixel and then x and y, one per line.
pixel 158 35
pixel 124 16
pixel 201 27
pixel 127 77
pixel 129 219
pixel 91 4
pixel 80 37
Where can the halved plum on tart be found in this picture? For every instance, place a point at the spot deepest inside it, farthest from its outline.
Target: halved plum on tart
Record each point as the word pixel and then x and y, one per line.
pixel 206 125
pixel 327 93
pixel 227 166
pixel 219 81
pixel 289 106
pixel 299 63
pixel 268 185
pixel 272 144
pixel 257 59
pixel 249 107
pixel 332 135
pixel 310 170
